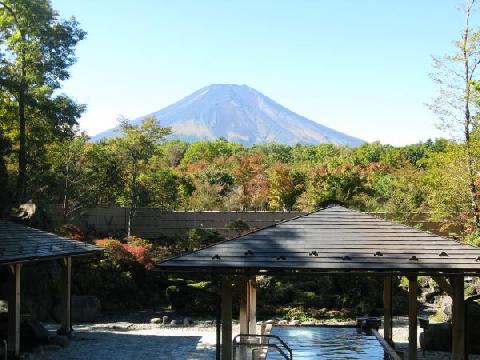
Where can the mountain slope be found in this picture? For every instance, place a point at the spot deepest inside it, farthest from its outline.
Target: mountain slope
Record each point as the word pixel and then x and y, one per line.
pixel 241 114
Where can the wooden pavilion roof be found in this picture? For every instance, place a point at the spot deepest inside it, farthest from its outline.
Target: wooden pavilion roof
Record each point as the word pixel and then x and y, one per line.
pixel 20 243
pixel 334 239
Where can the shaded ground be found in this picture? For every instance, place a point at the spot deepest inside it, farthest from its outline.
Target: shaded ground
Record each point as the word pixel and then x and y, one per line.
pixel 154 343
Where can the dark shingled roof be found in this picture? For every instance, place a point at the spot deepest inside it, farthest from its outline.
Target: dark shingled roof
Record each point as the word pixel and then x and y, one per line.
pixel 20 243
pixel 334 239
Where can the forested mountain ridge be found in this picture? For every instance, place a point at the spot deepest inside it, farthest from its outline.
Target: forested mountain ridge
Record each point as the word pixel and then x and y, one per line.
pixel 240 114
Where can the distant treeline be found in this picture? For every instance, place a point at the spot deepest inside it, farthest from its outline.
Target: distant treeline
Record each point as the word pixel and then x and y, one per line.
pixel 137 169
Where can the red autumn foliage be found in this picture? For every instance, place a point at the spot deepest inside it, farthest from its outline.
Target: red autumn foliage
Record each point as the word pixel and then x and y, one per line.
pixel 137 252
pixel 141 255
pixel 72 231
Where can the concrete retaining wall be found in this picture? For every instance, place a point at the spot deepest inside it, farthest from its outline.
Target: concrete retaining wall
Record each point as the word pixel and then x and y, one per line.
pixel 153 223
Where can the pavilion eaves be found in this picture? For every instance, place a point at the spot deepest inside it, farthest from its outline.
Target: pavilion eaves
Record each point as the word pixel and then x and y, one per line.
pixel 334 239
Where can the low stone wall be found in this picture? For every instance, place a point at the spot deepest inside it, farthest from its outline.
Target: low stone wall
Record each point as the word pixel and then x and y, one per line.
pixel 152 223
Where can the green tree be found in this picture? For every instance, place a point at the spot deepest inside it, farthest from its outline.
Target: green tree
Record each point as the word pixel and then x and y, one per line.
pixel 273 152
pixel 135 147
pixel 162 186
pixel 285 187
pixel 404 194
pixel 455 104
pixel 5 149
pixel 209 150
pixel 68 166
pixel 174 151
pixel 249 172
pixel 335 184
pixel 103 169
pixel 39 48
pixel 447 186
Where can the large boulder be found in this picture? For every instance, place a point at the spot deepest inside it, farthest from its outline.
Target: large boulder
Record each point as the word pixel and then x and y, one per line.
pixel 473 319
pixel 437 337
pixel 32 334
pixel 85 309
pixel 38 332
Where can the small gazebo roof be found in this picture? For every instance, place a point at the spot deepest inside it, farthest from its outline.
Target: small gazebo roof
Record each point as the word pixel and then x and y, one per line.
pixel 334 239
pixel 20 243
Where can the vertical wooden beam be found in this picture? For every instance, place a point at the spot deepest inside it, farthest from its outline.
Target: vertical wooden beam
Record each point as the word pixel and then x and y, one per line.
pixel 387 308
pixel 218 322
pixel 458 318
pixel 252 308
pixel 14 282
pixel 244 299
pixel 412 317
pixel 227 319
pixel 243 285
pixel 66 297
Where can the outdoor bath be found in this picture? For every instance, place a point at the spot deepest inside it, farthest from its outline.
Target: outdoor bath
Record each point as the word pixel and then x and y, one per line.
pixel 328 342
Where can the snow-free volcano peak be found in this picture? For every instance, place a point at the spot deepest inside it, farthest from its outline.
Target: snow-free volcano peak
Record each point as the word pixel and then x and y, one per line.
pixel 240 114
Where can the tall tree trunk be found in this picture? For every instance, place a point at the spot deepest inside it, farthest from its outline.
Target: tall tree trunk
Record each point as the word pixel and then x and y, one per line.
pixel 467 117
pixel 22 151
pixel 65 194
pixel 133 199
pixel 472 184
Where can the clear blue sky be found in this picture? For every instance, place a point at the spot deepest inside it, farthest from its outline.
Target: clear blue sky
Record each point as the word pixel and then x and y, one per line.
pixel 360 67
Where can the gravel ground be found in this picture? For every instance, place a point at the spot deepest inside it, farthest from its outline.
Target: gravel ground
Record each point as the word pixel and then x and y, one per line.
pixel 134 342
pixel 125 341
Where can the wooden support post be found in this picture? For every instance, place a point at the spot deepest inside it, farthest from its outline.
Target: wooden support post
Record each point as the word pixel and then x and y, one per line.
pixel 387 308
pixel 252 308
pixel 458 318
pixel 412 317
pixel 14 281
pixel 66 297
pixel 227 319
pixel 243 285
pixel 243 315
pixel 218 322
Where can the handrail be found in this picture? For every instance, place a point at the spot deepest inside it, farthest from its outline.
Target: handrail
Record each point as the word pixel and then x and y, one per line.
pixel 389 350
pixel 276 346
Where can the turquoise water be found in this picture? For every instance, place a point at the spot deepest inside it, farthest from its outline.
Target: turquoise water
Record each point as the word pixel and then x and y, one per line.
pixel 328 343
